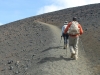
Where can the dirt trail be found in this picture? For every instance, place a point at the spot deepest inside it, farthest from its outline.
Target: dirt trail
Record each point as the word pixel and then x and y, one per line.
pixel 57 61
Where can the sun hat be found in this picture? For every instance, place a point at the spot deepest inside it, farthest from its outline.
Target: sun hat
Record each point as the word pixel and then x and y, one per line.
pixel 66 22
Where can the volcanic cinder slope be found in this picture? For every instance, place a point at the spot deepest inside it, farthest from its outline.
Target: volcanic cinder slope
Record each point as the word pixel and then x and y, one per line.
pixel 30 46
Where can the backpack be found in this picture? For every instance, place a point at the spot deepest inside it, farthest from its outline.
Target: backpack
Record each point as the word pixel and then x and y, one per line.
pixel 73 29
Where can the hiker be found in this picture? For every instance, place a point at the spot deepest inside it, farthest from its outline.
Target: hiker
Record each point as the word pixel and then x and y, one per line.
pixel 74 30
pixel 65 36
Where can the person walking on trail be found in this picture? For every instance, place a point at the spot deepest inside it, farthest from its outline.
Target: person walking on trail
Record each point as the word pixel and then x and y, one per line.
pixel 65 36
pixel 74 30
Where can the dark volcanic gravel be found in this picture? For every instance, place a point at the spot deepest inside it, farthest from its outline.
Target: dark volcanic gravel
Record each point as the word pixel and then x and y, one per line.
pixel 28 47
pixel 37 49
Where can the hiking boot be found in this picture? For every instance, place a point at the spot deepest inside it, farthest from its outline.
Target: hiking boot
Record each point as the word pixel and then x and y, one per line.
pixel 73 55
pixel 76 57
pixel 64 47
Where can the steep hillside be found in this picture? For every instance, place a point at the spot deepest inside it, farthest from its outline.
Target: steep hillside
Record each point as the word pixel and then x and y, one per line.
pixel 18 37
pixel 88 16
pixel 36 49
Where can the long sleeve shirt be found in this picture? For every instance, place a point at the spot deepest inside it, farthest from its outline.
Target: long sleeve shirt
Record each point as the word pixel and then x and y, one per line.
pixel 63 28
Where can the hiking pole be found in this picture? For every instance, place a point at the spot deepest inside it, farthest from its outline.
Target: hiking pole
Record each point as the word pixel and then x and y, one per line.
pixel 66 51
pixel 61 39
pixel 66 48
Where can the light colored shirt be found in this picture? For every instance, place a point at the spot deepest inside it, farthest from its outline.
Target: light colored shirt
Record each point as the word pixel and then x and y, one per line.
pixel 63 28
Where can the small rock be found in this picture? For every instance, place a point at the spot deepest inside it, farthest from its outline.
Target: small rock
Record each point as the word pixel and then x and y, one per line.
pixel 86 29
pixel 10 61
pixel 17 63
pixel 11 67
pixel 3 70
pixel 99 39
pixel 33 55
pixel 16 72
pixel 26 69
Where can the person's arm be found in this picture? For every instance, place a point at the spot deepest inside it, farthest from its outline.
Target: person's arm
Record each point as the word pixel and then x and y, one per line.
pixel 81 30
pixel 65 31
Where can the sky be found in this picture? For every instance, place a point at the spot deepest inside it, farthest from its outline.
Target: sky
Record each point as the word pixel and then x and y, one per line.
pixel 13 10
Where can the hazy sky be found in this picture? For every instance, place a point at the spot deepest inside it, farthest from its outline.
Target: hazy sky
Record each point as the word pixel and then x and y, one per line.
pixel 12 10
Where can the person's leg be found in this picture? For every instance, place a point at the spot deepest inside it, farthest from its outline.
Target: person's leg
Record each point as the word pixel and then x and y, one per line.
pixel 72 52
pixel 71 44
pixel 67 40
pixel 76 47
pixel 64 37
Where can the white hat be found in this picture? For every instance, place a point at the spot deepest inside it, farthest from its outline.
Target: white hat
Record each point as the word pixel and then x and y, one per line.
pixel 66 22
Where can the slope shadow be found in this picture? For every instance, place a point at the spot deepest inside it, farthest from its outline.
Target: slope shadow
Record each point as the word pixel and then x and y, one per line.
pixel 58 47
pixel 52 59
